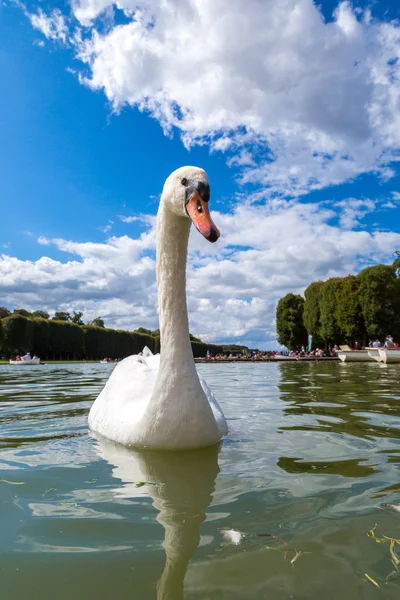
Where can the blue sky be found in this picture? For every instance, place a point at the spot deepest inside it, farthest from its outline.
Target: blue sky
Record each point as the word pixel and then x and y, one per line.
pixel 291 109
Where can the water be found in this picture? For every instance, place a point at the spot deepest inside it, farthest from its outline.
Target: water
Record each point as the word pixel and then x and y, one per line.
pixel 312 452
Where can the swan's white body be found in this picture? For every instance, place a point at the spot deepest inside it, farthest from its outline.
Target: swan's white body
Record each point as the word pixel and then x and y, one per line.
pixel 159 401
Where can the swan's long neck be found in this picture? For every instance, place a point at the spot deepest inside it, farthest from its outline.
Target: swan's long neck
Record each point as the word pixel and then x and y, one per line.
pixel 172 243
pixel 179 414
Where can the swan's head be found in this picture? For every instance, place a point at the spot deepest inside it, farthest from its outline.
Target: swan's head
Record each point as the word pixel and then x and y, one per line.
pixel 187 193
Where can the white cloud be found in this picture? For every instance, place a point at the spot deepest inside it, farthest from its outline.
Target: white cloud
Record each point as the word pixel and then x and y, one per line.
pixel 107 227
pixel 264 252
pixel 353 210
pixel 315 102
pixel 148 220
pixel 53 26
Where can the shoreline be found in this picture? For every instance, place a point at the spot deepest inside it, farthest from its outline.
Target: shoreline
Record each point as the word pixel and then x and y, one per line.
pixel 264 360
pixel 204 360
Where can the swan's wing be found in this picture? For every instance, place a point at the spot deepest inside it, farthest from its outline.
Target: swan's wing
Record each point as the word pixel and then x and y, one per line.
pixel 125 397
pixel 215 407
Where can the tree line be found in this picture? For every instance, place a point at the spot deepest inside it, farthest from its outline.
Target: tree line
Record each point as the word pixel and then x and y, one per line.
pixel 53 339
pixel 76 317
pixel 343 310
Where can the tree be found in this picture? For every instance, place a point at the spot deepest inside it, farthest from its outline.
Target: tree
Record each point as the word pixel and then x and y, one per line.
pixel 17 334
pixel 289 321
pixel 144 330
pixel 396 263
pixel 61 316
pixel 329 331
pixel 97 322
pixel 349 317
pixel 77 318
pixel 194 339
pixel 22 312
pixel 4 312
pixel 380 300
pixel 312 311
pixel 40 314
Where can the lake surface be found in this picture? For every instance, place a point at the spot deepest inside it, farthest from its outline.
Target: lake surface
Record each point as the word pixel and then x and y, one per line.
pixel 312 452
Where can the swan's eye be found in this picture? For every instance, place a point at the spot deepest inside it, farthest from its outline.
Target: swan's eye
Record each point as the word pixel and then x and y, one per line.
pixel 184 182
pixel 199 206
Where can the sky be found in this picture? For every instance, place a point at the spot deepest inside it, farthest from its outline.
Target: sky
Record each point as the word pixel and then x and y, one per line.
pixel 292 108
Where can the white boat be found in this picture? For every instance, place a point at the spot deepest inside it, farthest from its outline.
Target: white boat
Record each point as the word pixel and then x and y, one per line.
pixel 374 353
pixel 355 356
pixel 32 361
pixel 389 355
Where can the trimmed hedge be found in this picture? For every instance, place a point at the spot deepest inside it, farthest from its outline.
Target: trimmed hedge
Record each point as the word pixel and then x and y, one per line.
pixel 61 340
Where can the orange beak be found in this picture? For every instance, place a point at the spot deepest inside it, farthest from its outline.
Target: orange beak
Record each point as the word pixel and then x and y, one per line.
pixel 198 211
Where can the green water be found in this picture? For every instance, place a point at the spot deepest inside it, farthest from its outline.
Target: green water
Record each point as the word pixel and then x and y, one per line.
pixel 312 452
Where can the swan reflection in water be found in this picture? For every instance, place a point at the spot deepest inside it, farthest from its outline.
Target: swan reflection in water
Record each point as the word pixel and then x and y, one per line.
pixel 182 484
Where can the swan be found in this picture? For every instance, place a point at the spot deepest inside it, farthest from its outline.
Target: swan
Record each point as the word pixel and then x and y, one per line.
pixel 159 401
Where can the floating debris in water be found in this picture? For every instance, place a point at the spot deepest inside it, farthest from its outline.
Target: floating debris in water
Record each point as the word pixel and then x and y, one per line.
pixel 372 580
pixel 395 558
pixel 12 482
pixel 395 507
pixel 392 549
pixel 274 537
pixel 232 536
pixel 140 484
pixel 297 556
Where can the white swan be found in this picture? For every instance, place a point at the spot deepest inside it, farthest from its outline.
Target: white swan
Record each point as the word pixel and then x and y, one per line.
pixel 160 401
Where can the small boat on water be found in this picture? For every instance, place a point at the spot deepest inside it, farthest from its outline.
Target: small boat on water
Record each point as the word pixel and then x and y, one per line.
pixel 389 355
pixel 32 361
pixel 347 354
pixel 374 354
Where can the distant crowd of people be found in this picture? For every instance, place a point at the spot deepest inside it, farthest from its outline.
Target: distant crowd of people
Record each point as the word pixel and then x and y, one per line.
pixel 389 343
pixel 271 354
pixel 26 356
pixel 299 352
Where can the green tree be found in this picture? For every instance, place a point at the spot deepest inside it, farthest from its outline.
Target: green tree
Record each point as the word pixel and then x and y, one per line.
pixel 380 300
pixel 17 334
pixel 61 316
pixel 1 337
pixel 22 311
pixel 97 322
pixel 396 263
pixel 330 331
pixel 144 330
pixel 349 317
pixel 40 314
pixel 194 339
pixel 77 318
pixel 41 337
pixel 312 311
pixel 289 321
pixel 4 312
